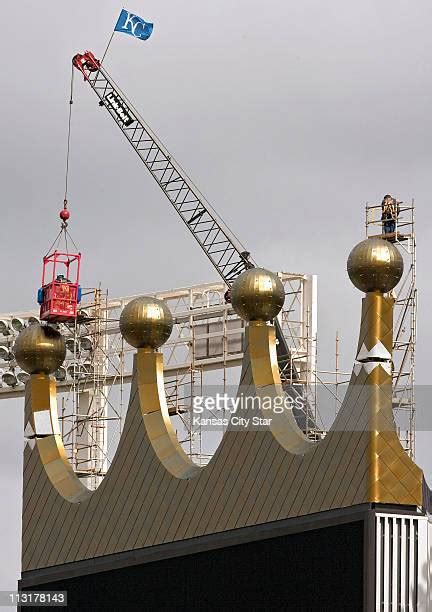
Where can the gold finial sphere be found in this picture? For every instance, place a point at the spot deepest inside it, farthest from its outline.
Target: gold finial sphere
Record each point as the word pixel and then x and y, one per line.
pixel 40 349
pixel 375 265
pixel 146 322
pixel 257 295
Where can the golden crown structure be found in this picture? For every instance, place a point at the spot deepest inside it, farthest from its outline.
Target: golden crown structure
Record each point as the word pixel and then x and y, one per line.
pixel 154 497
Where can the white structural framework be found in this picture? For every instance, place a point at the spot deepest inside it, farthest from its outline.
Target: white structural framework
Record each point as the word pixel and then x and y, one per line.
pixel 205 346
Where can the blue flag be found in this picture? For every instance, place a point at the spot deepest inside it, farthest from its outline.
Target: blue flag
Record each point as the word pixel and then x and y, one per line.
pixel 131 24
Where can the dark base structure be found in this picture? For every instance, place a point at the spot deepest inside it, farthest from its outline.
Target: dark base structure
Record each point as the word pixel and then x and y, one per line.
pixel 326 561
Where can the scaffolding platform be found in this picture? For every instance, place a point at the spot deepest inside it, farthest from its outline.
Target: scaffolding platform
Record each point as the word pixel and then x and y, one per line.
pixel 392 236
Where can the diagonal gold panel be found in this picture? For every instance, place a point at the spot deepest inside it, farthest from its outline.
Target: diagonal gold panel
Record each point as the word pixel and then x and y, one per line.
pixel 389 463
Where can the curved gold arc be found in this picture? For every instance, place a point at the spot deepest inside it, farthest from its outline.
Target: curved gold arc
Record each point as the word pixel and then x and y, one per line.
pixel 156 418
pixel 267 382
pixel 49 440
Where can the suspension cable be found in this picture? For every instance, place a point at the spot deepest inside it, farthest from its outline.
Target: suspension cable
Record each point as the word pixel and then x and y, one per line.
pixel 64 214
pixel 56 242
pixel 69 135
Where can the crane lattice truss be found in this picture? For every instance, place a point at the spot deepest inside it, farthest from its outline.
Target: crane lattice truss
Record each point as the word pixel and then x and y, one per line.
pixel 405 325
pixel 207 341
pixel 216 240
pixel 225 253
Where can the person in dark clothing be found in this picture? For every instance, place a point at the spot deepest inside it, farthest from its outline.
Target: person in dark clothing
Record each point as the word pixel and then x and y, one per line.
pixel 389 215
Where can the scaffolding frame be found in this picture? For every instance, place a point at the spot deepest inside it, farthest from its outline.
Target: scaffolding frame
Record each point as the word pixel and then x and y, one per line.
pixel 405 317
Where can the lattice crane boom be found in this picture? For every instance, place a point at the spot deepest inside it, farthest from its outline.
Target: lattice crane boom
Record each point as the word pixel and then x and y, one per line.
pixel 216 240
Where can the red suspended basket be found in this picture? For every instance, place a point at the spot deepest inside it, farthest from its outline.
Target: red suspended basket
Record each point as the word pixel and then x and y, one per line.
pixel 60 293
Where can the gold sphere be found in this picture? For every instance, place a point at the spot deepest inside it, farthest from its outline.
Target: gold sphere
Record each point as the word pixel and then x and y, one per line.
pixel 146 322
pixel 39 349
pixel 257 295
pixel 375 265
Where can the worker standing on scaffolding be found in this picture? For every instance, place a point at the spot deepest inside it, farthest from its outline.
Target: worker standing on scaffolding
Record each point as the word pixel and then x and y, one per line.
pixel 389 215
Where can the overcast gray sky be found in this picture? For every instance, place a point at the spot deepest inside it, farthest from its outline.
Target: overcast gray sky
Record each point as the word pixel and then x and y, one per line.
pixel 289 116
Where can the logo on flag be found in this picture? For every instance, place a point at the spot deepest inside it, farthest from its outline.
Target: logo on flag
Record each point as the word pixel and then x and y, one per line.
pixel 131 24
